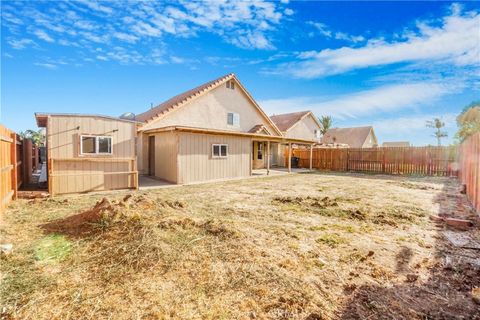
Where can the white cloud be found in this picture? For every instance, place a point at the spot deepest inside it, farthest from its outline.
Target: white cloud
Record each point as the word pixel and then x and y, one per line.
pixel 43 35
pixel 46 65
pixel 456 41
pixel 103 58
pixel 375 101
pixel 325 31
pixel 125 37
pixel 20 44
pixel 289 12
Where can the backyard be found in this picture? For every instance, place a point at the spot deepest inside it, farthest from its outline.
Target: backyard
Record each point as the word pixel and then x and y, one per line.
pixel 302 246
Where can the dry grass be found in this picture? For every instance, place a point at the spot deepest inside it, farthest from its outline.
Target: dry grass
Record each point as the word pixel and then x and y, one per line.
pixel 302 246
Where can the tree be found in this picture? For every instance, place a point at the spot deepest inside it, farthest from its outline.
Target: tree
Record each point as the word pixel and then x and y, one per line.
pixel 437 124
pixel 38 137
pixel 326 123
pixel 468 121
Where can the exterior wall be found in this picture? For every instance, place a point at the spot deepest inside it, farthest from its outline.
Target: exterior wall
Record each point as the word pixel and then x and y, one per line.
pixel 278 155
pixel 73 172
pixel 304 129
pixel 195 162
pixel 210 111
pixel 370 141
pixel 166 150
pixel 142 153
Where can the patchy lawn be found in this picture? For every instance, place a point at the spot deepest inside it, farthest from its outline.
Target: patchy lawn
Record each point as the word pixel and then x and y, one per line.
pixel 305 246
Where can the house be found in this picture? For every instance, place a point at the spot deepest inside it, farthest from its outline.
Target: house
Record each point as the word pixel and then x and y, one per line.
pixel 396 144
pixel 355 137
pixel 89 152
pixel 300 125
pixel 212 132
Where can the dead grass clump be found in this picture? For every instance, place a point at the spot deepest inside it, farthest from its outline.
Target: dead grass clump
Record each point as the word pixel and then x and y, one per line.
pixel 332 240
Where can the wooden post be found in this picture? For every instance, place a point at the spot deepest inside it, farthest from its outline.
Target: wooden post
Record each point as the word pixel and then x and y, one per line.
pixel 311 157
pixel 289 157
pixel 13 157
pixel 268 158
pixel 135 176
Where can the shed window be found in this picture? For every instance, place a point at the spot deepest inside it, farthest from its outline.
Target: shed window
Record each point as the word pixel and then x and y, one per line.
pixel 317 134
pixel 219 150
pixel 233 119
pixel 95 145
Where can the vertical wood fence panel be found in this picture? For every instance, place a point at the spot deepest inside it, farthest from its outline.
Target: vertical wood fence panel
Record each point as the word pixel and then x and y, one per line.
pixel 470 168
pixel 437 161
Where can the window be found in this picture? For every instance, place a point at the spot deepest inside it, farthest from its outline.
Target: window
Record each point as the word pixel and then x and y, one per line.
pixel 317 134
pixel 260 151
pixel 233 119
pixel 219 150
pixel 231 85
pixel 95 145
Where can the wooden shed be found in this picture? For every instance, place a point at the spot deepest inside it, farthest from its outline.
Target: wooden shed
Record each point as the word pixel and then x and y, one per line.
pixel 89 152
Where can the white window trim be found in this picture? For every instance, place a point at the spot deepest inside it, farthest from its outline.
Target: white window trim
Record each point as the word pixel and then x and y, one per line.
pixel 96 145
pixel 219 150
pixel 234 115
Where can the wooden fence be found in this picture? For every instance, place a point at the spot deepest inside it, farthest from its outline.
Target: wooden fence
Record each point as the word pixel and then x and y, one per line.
pixel 11 169
pixel 435 161
pixel 469 175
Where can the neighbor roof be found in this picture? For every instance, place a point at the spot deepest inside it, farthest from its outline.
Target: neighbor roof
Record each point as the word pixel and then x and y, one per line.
pixel 42 117
pixel 286 121
pixel 355 137
pixel 181 99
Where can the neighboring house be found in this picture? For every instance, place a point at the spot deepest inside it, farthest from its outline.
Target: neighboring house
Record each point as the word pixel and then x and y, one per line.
pixel 300 125
pixel 89 152
pixel 397 144
pixel 212 132
pixel 356 137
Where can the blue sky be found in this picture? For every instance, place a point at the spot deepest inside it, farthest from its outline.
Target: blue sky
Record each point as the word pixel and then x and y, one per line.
pixel 392 65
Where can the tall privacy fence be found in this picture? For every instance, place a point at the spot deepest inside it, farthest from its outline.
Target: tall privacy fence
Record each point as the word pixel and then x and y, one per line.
pixel 18 159
pixel 434 161
pixel 462 161
pixel 469 174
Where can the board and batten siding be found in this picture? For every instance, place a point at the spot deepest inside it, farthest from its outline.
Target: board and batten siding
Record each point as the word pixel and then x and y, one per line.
pixel 195 161
pixel 166 150
pixel 72 172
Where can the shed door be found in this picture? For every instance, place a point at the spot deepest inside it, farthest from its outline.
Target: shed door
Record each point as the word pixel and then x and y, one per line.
pixel 151 155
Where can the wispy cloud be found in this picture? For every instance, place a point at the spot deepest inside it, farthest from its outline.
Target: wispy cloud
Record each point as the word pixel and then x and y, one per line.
pixel 375 101
pixel 327 32
pixel 455 41
pixel 46 65
pixel 21 43
pixel 43 35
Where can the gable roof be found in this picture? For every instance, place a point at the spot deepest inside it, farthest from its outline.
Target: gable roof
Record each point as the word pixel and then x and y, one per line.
pixel 259 128
pixel 355 137
pixel 286 121
pixel 182 99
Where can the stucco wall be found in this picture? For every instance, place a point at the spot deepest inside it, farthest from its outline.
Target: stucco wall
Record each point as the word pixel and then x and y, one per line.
pixel 304 129
pixel 210 111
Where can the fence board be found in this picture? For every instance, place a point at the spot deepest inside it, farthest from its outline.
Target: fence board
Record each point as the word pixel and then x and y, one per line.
pixel 438 161
pixel 470 168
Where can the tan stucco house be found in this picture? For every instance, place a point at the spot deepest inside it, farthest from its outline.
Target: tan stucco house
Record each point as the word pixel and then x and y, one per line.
pixel 295 125
pixel 212 132
pixel 355 137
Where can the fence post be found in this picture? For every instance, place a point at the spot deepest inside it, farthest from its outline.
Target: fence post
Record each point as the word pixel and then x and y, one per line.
pixel 348 157
pixel 383 160
pixel 13 157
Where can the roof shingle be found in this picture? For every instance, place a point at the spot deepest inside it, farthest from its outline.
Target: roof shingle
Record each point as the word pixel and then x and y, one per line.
pixel 170 104
pixel 287 120
pixel 355 137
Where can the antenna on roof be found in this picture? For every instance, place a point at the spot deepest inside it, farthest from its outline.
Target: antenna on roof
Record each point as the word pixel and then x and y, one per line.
pixel 151 105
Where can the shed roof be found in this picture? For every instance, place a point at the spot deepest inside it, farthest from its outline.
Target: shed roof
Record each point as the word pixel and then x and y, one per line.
pixel 355 137
pixel 41 117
